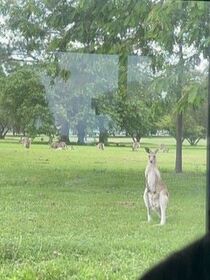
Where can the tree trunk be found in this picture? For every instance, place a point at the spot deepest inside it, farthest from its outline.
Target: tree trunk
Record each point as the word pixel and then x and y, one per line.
pixel 138 138
pixel 123 70
pixel 64 132
pixel 103 136
pixel 179 121
pixel 103 133
pixel 3 133
pixel 179 129
pixel 81 133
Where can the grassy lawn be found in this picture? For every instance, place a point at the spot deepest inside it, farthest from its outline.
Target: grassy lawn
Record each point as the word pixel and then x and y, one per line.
pixel 79 214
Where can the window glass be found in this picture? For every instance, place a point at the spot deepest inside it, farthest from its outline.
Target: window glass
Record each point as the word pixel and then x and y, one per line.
pixel 103 110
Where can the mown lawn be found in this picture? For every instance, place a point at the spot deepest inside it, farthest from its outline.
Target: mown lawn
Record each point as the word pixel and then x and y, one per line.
pixel 79 214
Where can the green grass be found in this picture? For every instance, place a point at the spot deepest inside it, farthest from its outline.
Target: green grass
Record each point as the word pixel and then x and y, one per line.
pixel 79 214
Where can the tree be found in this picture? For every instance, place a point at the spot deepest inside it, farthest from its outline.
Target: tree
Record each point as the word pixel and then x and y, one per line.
pixel 136 113
pixel 5 117
pixel 84 22
pixel 70 100
pixel 168 27
pixel 193 95
pixel 194 130
pixel 23 100
pixel 194 124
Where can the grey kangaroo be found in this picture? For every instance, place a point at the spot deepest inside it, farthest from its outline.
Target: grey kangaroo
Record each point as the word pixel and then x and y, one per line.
pixel 156 195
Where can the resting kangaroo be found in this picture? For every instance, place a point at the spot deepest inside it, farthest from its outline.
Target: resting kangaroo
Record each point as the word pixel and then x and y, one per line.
pixel 156 196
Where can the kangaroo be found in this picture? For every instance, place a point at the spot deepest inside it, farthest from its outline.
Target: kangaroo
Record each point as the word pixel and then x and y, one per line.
pixel 156 195
pixel 26 141
pixel 59 145
pixel 164 148
pixel 100 146
pixel 135 145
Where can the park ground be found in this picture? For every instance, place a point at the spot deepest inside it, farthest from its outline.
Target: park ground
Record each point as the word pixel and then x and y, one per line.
pixel 79 214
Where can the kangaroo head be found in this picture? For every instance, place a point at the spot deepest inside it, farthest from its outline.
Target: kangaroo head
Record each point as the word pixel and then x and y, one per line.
pixel 151 156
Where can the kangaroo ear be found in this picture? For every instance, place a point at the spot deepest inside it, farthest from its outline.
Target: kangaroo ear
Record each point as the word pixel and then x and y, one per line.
pixel 156 151
pixel 147 150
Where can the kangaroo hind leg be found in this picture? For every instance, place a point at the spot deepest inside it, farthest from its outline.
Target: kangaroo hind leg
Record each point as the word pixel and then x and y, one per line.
pixel 163 206
pixel 147 204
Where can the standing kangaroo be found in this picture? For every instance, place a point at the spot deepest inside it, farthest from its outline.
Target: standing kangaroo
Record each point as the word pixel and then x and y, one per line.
pixel 156 196
pixel 135 145
pixel 26 141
